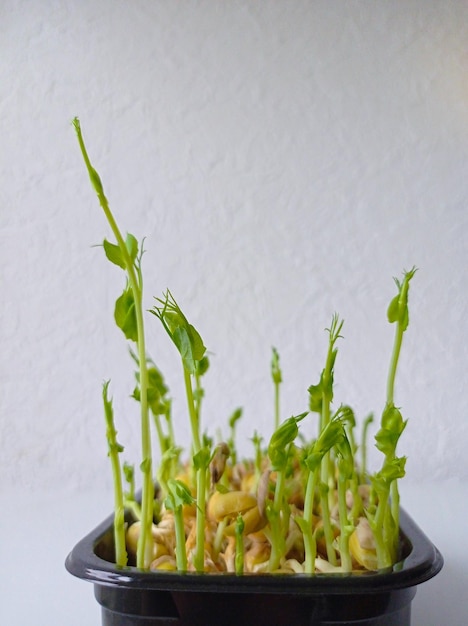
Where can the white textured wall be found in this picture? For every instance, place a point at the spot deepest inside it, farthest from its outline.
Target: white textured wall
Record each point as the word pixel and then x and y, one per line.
pixel 284 160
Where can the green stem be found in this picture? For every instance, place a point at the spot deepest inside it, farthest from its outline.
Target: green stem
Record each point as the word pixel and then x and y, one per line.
pixel 327 526
pixel 345 555
pixel 378 525
pixel 240 548
pixel 367 422
pixel 310 544
pixel 181 554
pixel 199 556
pixel 144 545
pixel 192 412
pixel 394 363
pixel 119 508
pixel 277 547
pixel 277 405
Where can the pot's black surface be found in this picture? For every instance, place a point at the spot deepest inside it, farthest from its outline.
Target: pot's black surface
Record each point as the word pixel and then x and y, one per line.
pixel 129 597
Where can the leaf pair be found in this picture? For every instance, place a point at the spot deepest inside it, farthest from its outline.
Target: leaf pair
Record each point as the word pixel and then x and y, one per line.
pixel 278 448
pixel 324 389
pixel 124 312
pixel 185 337
pixel 398 308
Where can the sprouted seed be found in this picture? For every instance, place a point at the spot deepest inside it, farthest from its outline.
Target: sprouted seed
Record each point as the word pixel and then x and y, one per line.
pixel 294 506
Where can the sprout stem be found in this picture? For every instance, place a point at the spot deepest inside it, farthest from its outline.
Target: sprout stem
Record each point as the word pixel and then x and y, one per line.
pixel 143 551
pixel 119 509
pixel 192 412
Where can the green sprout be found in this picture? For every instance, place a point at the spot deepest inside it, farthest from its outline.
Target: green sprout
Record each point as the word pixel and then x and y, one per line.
pixel 240 547
pixel 392 424
pixel 129 317
pixel 246 506
pixel 114 449
pixel 320 399
pixel 191 349
pixel 277 378
pixel 201 462
pixel 279 453
pixel 178 496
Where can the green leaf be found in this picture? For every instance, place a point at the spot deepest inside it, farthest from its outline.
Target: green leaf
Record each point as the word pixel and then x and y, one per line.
pixel 398 308
pixel 202 366
pixel 332 434
pixel 313 460
pixel 185 337
pixel 179 494
pixel 392 470
pixel 235 417
pixel 392 426
pixel 303 524
pixel 275 367
pixel 125 315
pixel 132 246
pixel 393 310
pixel 281 439
pixel 315 397
pixel 113 253
pixel 202 458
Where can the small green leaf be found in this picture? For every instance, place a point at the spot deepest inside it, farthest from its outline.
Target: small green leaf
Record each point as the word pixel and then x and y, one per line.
pixel 275 367
pixel 398 308
pixel 125 315
pixel 313 460
pixel 235 417
pixel 281 439
pixel 132 246
pixel 202 366
pixel 392 426
pixel 184 335
pixel 393 309
pixel 303 524
pixel 179 494
pixel 315 397
pixel 113 253
pixel 202 458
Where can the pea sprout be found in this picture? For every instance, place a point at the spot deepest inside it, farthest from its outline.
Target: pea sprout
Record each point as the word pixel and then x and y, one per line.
pixel 300 505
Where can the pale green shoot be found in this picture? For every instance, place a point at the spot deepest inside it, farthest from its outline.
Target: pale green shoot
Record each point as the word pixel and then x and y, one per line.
pixel 279 453
pixel 114 449
pixel 178 496
pixel 277 378
pixel 392 423
pixel 201 462
pixel 240 547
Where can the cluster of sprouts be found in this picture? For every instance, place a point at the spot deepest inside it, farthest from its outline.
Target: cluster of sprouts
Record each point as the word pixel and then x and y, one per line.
pixel 296 506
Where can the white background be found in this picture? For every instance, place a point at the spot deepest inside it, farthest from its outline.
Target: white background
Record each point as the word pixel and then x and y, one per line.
pixel 284 160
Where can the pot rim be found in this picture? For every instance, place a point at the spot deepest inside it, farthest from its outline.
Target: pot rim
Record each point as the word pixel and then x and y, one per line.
pixel 422 562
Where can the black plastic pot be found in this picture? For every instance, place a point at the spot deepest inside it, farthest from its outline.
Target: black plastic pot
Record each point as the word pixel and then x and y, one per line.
pixel 129 597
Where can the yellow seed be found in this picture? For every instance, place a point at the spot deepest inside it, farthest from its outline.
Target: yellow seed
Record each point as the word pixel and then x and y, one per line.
pixel 365 557
pixel 229 504
pixel 253 522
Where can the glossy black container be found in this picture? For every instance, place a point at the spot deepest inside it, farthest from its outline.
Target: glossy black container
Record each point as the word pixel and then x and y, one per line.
pixel 129 597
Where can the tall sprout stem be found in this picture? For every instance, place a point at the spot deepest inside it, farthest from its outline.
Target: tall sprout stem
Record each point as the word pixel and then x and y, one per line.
pixel 345 554
pixel 144 542
pixel 192 412
pixel 199 557
pixel 310 544
pixel 181 554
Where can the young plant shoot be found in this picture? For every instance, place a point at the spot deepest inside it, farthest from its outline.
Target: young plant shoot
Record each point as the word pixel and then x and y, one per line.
pixel 305 504
pixel 114 450
pixel 129 317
